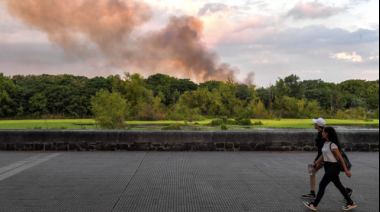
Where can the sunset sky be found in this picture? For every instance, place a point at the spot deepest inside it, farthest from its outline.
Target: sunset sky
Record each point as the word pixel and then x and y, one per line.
pixel 271 38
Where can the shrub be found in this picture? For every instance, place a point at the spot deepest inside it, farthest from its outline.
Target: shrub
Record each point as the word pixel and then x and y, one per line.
pixel 172 127
pixel 198 118
pixel 224 127
pixel 217 122
pixel 242 121
pixel 63 128
pixel 358 113
pixel 110 109
pixel 38 128
pixel 342 115
pixel 225 119
pixel 260 123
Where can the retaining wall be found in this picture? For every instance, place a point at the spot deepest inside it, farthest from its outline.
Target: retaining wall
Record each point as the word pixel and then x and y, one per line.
pixel 103 140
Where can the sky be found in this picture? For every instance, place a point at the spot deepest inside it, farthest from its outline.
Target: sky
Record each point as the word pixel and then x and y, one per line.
pixel 314 39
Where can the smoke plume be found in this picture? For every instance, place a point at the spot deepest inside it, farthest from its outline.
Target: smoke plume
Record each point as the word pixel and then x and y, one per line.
pixel 73 24
pixel 109 24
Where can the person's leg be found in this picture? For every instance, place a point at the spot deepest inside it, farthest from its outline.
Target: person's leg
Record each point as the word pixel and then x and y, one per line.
pixel 312 195
pixel 342 189
pixel 313 177
pixel 349 190
pixel 322 187
pixel 312 180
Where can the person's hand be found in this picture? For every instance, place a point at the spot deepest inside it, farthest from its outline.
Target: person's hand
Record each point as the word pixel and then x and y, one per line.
pixel 348 174
pixel 313 165
pixel 318 166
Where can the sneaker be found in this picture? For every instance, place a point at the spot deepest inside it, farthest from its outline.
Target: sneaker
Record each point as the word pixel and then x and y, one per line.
pixel 349 207
pixel 310 206
pixel 309 196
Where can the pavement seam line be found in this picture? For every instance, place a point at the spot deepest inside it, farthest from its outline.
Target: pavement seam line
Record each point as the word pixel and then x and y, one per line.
pixel 126 187
pixel 26 166
pixel 267 175
pixel 22 163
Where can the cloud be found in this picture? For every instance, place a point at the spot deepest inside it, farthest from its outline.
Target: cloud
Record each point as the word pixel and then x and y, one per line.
pixel 213 8
pixel 255 3
pixel 359 1
pixel 314 10
pixel 346 56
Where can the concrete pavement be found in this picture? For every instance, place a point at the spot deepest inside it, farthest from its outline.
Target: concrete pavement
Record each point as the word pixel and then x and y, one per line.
pixel 174 181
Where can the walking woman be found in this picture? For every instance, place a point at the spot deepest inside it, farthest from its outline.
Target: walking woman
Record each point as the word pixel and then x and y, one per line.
pixel 332 168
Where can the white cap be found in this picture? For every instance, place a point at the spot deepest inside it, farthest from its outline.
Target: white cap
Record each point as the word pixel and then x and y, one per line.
pixel 321 122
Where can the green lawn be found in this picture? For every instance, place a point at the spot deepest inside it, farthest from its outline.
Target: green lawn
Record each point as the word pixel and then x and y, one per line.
pixel 70 123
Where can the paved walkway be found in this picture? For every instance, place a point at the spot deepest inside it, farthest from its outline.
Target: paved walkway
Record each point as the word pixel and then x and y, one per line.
pixel 173 181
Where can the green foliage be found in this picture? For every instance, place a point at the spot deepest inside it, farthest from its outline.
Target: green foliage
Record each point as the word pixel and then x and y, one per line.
pixel 110 109
pixel 224 119
pixel 172 127
pixel 243 121
pixel 376 114
pixel 259 123
pixel 358 102
pixel 358 113
pixel 297 88
pixel 38 102
pixel 211 85
pixel 151 109
pixel 8 93
pixel 224 127
pixel 38 128
pixel 162 97
pixel 217 122
pixel 342 115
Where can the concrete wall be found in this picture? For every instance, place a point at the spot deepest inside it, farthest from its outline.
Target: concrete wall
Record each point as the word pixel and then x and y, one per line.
pixel 104 140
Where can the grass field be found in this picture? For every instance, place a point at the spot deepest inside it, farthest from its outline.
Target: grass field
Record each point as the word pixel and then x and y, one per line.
pixel 144 125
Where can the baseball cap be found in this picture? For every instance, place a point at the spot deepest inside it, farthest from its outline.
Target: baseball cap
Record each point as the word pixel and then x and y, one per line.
pixel 321 122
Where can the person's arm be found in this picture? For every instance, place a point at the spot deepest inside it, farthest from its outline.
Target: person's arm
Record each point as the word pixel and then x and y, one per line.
pixel 339 156
pixel 320 160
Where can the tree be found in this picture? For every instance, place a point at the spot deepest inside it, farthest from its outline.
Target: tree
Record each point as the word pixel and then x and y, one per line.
pixel 38 103
pixel 110 109
pixel 151 110
pixel 232 105
pixel 210 85
pixel 296 86
pixel 134 91
pixel 355 87
pixel 358 102
pixel 8 93
pixel 313 109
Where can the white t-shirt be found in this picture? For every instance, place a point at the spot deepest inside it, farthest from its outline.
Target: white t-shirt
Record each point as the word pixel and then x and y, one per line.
pixel 328 156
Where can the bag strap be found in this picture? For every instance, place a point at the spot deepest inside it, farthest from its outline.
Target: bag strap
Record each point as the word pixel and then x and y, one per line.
pixel 333 152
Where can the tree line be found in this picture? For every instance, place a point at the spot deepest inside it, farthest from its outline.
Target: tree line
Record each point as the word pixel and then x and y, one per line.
pixel 162 97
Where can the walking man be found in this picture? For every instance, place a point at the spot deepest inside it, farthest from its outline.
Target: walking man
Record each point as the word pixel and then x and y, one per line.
pixel 319 125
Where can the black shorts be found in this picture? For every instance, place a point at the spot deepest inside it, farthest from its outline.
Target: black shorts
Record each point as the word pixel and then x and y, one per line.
pixel 323 164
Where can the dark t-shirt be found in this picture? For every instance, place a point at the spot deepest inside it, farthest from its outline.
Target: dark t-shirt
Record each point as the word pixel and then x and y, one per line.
pixel 319 142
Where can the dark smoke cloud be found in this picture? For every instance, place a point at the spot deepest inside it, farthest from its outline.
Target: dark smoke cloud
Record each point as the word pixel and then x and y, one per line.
pixel 249 80
pixel 178 46
pixel 74 24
